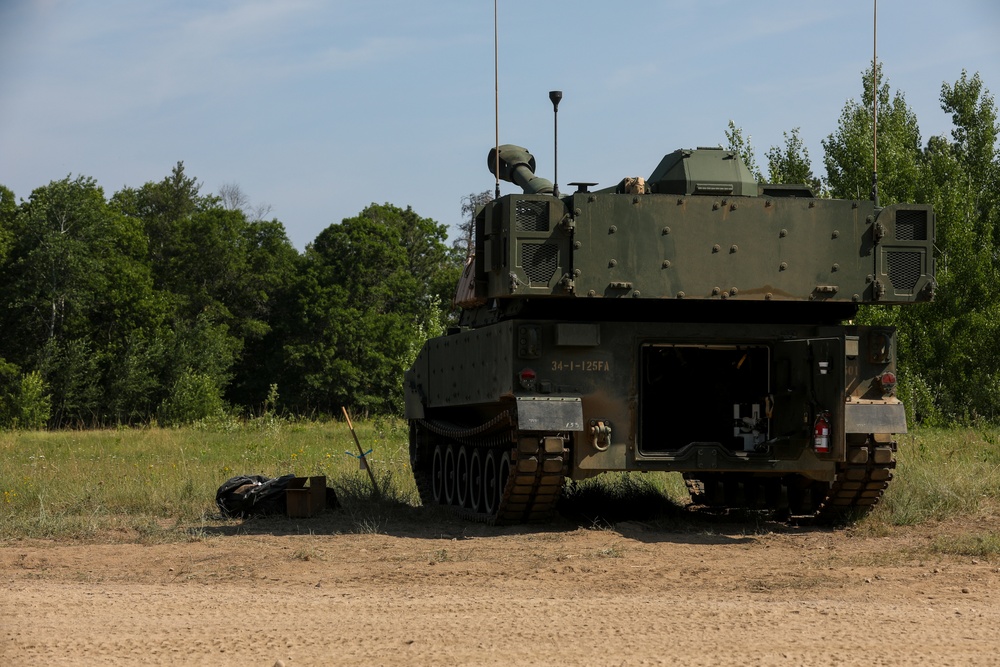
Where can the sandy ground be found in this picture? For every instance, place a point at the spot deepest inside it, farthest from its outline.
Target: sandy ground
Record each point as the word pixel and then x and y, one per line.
pixel 305 592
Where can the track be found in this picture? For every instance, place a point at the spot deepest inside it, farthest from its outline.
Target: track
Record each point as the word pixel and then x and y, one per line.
pixel 493 474
pixel 862 479
pixel 856 489
pixel 489 473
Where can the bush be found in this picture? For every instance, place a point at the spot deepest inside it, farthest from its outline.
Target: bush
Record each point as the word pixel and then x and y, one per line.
pixel 193 397
pixel 34 402
pixel 27 405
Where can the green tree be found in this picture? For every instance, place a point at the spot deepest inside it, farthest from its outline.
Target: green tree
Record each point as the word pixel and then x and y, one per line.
pixel 744 148
pixel 135 379
pixel 192 397
pixel 954 339
pixel 8 209
pixel 233 272
pixel 849 160
pixel 201 347
pixel 974 142
pixel 367 299
pixel 24 403
pixel 161 207
pixel 75 283
pixel 264 297
pixel 791 163
pixel 9 374
pixel 948 357
pixel 849 156
pixel 215 267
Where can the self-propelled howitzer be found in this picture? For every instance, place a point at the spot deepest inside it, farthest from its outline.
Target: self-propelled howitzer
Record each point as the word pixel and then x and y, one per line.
pixel 692 321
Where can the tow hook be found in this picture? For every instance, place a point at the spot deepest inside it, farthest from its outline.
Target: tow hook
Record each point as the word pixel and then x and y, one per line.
pixel 600 434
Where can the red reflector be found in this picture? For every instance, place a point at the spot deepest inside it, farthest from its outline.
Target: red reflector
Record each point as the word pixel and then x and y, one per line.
pixel 527 379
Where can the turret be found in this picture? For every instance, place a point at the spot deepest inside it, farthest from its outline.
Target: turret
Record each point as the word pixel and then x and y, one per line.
pixel 697 229
pixel 705 171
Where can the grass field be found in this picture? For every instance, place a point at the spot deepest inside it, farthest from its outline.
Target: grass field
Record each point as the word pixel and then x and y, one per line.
pixel 82 483
pixel 160 483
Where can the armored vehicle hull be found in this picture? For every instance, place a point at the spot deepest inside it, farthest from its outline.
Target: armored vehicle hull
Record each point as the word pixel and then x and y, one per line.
pixel 698 324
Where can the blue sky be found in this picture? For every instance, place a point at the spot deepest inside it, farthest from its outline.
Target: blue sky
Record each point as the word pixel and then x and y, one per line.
pixel 321 107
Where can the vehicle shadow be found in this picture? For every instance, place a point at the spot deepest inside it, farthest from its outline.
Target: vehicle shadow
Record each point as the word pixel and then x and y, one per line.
pixel 648 518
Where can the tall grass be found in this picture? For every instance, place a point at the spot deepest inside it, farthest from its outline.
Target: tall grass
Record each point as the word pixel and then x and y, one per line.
pixel 943 473
pixel 80 483
pixel 150 481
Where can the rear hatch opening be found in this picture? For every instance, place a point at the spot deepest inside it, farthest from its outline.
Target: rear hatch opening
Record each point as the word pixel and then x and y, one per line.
pixel 703 393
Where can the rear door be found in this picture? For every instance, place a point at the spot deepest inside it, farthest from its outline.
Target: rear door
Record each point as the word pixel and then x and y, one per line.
pixel 808 380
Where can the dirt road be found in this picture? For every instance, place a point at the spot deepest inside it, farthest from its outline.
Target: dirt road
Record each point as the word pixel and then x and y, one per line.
pixel 458 594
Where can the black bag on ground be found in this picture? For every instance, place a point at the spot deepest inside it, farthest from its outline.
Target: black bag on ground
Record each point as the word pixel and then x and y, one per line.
pixel 252 495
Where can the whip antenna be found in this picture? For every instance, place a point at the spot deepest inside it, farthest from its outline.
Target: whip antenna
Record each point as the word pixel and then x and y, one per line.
pixel 875 105
pixel 496 100
pixel 554 97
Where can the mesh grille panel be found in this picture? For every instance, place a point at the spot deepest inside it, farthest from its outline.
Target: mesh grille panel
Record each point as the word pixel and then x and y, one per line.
pixel 911 225
pixel 539 261
pixel 904 270
pixel 531 216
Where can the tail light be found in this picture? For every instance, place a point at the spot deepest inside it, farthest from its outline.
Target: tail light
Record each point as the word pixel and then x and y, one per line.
pixel 821 433
pixel 888 383
pixel 527 379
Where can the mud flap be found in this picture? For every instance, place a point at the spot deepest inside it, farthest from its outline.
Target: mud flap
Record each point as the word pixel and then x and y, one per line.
pixel 874 418
pixel 549 413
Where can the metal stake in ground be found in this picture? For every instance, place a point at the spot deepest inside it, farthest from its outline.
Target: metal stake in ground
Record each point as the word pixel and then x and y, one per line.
pixel 361 452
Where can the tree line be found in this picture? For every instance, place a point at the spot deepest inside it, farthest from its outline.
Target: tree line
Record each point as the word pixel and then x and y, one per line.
pixel 161 303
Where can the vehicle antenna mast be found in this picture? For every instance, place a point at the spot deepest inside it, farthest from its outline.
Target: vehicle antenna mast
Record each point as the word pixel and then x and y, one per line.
pixel 875 105
pixel 496 99
pixel 554 97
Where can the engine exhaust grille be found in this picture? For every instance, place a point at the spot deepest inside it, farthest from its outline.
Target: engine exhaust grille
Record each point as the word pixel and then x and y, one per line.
pixel 531 216
pixel 539 261
pixel 904 270
pixel 911 225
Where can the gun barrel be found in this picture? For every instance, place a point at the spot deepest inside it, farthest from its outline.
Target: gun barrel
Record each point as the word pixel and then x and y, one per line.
pixel 517 166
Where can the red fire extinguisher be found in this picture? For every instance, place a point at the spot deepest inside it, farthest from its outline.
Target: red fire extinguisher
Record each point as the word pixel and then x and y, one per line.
pixel 821 433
